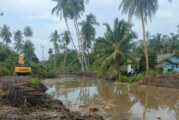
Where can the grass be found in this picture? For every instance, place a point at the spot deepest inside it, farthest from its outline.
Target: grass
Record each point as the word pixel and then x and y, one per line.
pixel 131 79
pixel 35 82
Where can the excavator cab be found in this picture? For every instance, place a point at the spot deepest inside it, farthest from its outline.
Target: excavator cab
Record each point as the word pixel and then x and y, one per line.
pixel 21 68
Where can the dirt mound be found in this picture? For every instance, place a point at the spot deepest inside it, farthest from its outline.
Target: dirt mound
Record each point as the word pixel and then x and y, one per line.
pixel 26 99
pixel 168 81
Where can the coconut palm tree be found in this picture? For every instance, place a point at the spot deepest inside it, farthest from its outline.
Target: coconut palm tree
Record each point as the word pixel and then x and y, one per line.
pixel 66 40
pixel 50 52
pixel 28 33
pixel 71 9
pixel 173 42
pixel 6 34
pixel 55 38
pixel 115 47
pixel 157 43
pixel 29 50
pixel 144 10
pixel 62 9
pixel 18 38
pixel 88 33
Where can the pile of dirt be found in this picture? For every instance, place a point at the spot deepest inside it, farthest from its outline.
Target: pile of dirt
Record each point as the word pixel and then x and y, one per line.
pixel 26 100
pixel 168 81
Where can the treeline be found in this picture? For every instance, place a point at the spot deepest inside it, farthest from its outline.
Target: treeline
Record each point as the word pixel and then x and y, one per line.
pixel 107 55
pixel 22 45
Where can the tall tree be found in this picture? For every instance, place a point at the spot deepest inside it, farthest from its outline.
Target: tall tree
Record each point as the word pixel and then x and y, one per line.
pixel 29 51
pixel 144 10
pixel 62 9
pixel 88 33
pixel 50 52
pixel 6 34
pixel 55 38
pixel 115 47
pixel 72 9
pixel 66 40
pixel 18 38
pixel 156 43
pixel 28 33
pixel 173 42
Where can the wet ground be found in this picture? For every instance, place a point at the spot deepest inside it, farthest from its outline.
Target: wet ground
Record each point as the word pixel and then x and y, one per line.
pixel 115 101
pixel 22 99
pixel 167 81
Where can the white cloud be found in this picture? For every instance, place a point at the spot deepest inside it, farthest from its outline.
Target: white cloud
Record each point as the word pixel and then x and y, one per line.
pixel 26 6
pixel 43 17
pixel 164 13
pixel 102 2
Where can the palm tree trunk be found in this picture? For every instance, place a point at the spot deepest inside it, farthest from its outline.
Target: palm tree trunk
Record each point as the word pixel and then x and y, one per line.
pixel 80 53
pixel 145 45
pixel 77 34
pixel 70 34
pixel 65 57
pixel 55 61
pixel 84 60
pixel 118 69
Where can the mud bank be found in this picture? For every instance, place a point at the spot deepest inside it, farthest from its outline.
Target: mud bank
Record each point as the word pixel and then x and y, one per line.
pixel 167 81
pixel 22 99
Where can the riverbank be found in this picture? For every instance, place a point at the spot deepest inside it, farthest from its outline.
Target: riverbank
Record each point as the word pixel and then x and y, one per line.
pixel 167 81
pixel 24 98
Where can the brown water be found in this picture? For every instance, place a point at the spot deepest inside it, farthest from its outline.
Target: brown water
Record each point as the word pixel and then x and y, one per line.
pixel 116 101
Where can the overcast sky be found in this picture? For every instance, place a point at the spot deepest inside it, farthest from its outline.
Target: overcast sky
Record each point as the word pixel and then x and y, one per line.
pixel 37 14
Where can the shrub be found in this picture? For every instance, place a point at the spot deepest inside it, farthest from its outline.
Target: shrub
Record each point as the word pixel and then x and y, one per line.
pixel 35 82
pixel 131 79
pixel 153 73
pixel 41 71
pixel 124 78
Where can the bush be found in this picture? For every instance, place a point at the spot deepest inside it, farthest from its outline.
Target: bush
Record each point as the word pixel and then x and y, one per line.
pixel 124 78
pixel 41 71
pixel 35 82
pixel 4 71
pixel 131 79
pixel 153 73
pixel 6 68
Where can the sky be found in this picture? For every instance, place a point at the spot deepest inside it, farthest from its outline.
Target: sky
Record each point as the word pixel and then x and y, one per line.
pixel 37 14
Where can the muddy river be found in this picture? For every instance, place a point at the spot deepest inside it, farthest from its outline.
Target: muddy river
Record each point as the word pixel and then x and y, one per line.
pixel 116 101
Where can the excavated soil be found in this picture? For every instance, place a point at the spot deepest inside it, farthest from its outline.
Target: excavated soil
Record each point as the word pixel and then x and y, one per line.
pixel 22 100
pixel 167 81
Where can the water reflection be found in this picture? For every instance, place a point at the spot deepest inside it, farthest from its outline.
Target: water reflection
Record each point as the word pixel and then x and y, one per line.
pixel 117 102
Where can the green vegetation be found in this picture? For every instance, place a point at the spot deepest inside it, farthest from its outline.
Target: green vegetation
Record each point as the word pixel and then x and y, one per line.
pixel 115 48
pixel 35 82
pixel 131 79
pixel 7 58
pixel 41 71
pixel 106 55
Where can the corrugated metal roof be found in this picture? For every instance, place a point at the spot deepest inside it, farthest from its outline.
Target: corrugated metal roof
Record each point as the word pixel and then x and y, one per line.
pixel 163 57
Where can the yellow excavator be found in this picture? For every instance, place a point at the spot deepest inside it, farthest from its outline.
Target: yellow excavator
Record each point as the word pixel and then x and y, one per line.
pixel 20 68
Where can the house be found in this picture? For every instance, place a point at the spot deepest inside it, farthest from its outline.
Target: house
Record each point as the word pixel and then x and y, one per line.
pixel 131 66
pixel 168 62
